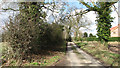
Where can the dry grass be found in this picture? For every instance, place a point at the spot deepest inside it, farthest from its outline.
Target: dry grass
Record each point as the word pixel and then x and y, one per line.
pixel 101 52
pixel 114 42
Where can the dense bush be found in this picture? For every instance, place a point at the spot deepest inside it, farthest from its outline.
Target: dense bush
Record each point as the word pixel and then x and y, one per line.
pixel 97 39
pixel 92 39
pixel 25 43
pixel 87 39
pixel 22 37
pixel 53 36
pixel 114 39
pixel 28 32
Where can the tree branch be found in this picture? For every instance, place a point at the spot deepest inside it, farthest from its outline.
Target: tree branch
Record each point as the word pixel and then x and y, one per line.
pixel 9 9
pixel 88 6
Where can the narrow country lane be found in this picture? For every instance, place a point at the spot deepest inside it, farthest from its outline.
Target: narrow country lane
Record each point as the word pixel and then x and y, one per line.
pixel 81 59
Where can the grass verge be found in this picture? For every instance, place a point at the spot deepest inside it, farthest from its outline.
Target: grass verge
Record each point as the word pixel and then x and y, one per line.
pixel 101 53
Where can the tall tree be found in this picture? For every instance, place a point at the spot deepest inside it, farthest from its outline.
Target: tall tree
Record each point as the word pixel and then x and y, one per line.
pixel 80 21
pixel 85 34
pixel 90 35
pixel 104 19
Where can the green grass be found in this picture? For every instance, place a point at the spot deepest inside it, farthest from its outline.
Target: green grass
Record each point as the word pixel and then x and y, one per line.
pixel 104 55
pixel 81 44
pixel 50 61
pixel 45 62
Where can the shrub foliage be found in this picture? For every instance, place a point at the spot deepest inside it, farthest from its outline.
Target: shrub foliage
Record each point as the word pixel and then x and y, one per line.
pixel 97 39
pixel 28 32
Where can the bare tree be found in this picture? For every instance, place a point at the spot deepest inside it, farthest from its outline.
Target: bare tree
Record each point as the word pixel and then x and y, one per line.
pixel 80 21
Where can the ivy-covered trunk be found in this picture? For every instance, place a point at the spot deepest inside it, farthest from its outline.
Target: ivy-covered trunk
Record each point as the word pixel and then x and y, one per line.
pixel 103 20
pixel 104 23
